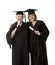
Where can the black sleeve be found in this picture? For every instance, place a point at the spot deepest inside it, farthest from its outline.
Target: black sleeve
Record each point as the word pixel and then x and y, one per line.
pixel 28 24
pixel 44 31
pixel 8 36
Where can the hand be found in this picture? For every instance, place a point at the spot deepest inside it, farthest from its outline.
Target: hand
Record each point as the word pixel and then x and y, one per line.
pixel 37 32
pixel 13 32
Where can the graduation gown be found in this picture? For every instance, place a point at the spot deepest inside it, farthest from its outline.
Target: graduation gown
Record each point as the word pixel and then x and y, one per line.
pixel 37 45
pixel 19 44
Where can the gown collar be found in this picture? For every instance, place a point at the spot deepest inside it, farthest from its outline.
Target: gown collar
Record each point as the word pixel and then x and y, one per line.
pixel 34 25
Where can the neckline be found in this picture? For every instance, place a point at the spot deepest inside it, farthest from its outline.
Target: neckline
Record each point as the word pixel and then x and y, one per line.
pixel 19 25
pixel 35 24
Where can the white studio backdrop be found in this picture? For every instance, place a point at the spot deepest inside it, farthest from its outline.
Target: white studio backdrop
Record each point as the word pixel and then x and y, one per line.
pixel 46 12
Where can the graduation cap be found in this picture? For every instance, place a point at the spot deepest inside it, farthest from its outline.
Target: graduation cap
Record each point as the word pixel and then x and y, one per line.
pixel 31 11
pixel 19 12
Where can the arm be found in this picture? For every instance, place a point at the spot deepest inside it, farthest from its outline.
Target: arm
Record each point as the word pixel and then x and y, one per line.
pixel 44 31
pixel 8 36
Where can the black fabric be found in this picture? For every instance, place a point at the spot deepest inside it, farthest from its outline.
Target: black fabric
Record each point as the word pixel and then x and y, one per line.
pixel 8 35
pixel 37 46
pixel 19 44
pixel 31 11
pixel 19 12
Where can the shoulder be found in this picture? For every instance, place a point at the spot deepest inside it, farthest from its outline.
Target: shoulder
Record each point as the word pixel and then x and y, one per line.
pixel 25 24
pixel 13 24
pixel 28 23
pixel 41 22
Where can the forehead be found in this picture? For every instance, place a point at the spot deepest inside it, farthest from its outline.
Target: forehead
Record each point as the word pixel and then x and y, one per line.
pixel 19 15
pixel 31 15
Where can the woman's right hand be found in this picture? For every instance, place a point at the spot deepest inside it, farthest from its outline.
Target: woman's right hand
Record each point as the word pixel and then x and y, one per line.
pixel 37 32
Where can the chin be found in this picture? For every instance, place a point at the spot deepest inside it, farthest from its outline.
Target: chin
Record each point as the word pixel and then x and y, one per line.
pixel 32 20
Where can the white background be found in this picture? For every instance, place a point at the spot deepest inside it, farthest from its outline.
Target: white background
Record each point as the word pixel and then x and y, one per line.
pixel 46 12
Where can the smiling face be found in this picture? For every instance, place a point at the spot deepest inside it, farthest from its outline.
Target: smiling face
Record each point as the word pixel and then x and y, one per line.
pixel 32 17
pixel 19 17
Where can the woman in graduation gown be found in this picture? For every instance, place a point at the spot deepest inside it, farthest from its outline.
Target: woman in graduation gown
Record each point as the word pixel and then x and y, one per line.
pixel 38 37
pixel 17 36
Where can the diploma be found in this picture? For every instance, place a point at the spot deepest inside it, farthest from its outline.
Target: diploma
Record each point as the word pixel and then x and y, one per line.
pixel 31 28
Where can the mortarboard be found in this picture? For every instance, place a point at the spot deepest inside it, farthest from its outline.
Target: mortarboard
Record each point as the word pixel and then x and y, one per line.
pixel 31 11
pixel 19 12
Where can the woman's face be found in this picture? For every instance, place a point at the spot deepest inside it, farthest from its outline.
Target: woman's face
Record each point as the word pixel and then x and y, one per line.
pixel 19 17
pixel 31 17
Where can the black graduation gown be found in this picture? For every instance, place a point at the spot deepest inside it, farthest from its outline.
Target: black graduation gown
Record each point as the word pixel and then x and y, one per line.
pixel 19 44
pixel 37 46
